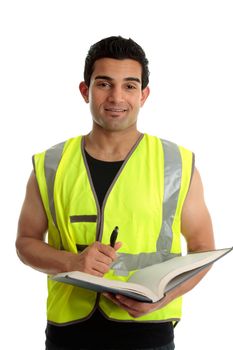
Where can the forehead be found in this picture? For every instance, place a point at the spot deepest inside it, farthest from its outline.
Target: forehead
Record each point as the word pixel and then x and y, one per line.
pixel 117 69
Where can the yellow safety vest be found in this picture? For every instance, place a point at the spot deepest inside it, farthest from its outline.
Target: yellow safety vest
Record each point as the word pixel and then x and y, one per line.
pixel 145 200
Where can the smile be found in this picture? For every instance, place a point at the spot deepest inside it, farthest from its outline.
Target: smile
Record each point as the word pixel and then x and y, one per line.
pixel 115 110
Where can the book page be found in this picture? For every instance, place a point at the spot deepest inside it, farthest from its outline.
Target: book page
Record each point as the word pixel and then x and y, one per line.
pixel 156 277
pixel 150 283
pixel 101 284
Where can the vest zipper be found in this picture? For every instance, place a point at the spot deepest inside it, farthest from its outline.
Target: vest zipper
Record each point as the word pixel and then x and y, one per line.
pixel 100 215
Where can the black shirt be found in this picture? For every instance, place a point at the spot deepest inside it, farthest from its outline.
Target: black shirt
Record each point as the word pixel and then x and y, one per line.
pixel 98 332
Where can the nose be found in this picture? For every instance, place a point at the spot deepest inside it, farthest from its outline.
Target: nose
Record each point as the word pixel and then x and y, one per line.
pixel 116 95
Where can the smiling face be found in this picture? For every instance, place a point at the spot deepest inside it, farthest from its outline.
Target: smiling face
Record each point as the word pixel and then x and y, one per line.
pixel 115 93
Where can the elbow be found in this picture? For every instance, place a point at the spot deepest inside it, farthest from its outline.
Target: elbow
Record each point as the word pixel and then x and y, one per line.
pixel 19 248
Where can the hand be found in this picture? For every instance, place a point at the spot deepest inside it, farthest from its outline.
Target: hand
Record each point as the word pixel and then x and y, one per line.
pixel 96 259
pixel 136 308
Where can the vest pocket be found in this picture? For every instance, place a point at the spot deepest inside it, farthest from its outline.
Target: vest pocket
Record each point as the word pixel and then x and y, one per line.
pixel 83 218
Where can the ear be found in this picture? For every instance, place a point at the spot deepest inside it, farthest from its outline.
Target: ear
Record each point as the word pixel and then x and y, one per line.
pixel 83 88
pixel 145 94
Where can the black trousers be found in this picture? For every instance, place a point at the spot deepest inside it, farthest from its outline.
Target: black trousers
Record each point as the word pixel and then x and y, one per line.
pixel 50 346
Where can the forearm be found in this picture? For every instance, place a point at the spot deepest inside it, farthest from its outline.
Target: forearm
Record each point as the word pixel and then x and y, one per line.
pixel 137 309
pixel 96 259
pixel 184 287
pixel 42 257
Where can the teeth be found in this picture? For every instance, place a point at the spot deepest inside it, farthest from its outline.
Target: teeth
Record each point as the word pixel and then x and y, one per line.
pixel 115 110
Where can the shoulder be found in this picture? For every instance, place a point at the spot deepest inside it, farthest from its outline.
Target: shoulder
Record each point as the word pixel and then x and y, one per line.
pixel 64 144
pixel 51 157
pixel 170 148
pixel 168 143
pixel 61 146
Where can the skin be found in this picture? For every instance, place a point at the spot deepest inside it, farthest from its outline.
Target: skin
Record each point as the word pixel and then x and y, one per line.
pixel 115 97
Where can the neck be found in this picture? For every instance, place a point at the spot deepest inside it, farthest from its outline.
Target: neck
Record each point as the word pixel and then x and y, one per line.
pixel 110 146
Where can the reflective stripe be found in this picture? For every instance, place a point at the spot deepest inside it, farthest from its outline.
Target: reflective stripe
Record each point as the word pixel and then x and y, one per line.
pixel 51 162
pixel 130 262
pixel 172 183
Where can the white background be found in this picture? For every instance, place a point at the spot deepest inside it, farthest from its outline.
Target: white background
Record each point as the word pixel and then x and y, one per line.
pixel 189 46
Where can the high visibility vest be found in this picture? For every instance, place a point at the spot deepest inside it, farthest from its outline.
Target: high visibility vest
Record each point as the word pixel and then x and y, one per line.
pixel 145 200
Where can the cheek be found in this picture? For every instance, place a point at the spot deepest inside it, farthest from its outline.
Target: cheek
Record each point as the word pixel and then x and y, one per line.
pixel 135 101
pixel 93 108
pixel 93 101
pixel 136 105
pixel 96 99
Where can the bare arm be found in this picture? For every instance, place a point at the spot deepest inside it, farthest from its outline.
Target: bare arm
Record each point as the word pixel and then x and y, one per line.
pixel 198 232
pixel 35 252
pixel 196 225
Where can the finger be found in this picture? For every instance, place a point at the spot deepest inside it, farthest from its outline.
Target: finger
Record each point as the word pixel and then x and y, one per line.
pixel 103 259
pixel 128 302
pixel 131 312
pixel 116 300
pixel 106 250
pixel 98 252
pixel 117 245
pixel 95 273
pixel 112 298
pixel 132 305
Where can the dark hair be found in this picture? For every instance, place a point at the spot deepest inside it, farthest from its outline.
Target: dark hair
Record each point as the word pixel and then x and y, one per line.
pixel 118 48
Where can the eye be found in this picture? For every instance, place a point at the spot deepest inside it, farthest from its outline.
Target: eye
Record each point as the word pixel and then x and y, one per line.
pixel 131 87
pixel 104 84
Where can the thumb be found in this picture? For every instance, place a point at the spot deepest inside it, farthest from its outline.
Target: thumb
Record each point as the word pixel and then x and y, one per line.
pixel 117 245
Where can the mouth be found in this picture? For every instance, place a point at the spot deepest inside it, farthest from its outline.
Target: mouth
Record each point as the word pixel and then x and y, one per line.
pixel 115 110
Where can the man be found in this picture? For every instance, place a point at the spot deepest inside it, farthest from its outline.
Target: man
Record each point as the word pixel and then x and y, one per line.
pixel 114 176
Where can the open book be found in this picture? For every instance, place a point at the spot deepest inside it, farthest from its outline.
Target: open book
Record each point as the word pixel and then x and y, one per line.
pixel 151 283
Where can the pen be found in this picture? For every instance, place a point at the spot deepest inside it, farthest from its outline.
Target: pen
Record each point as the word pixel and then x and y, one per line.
pixel 113 236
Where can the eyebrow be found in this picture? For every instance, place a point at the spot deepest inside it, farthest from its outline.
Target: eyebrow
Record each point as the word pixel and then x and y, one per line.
pixel 106 77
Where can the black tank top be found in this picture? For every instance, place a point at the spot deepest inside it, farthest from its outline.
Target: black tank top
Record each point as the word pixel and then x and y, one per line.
pixel 98 332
